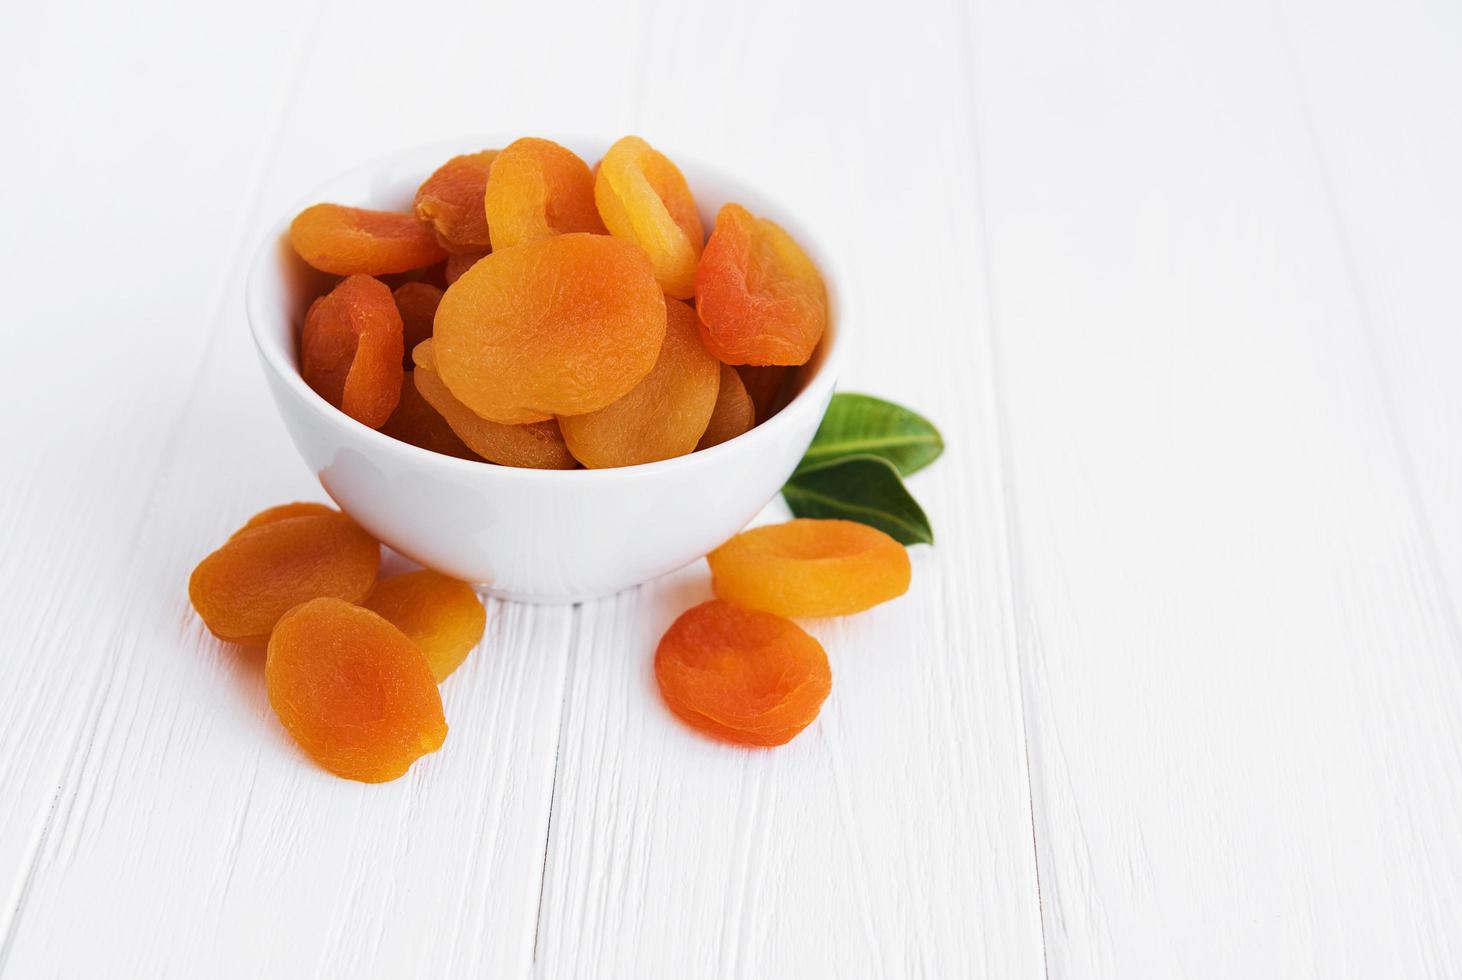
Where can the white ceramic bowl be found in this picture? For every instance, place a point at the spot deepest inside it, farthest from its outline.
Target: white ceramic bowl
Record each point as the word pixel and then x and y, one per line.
pixel 531 535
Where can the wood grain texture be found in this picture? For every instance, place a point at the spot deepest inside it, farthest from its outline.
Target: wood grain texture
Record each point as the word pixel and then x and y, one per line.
pixel 1173 696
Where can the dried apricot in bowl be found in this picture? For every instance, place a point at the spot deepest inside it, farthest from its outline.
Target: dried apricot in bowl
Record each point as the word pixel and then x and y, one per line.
pixel 417 303
pixel 643 198
pixel 417 423
pixel 358 241
pixel 451 202
pixel 810 568
pixel 561 326
pixel 740 675
pixel 353 690
pixel 538 189
pixel 441 615
pixel 664 415
pixel 351 349
pixel 734 412
pixel 265 570
pixel 760 298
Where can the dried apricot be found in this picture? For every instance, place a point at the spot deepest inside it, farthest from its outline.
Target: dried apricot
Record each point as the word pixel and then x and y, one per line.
pixel 451 202
pixel 441 615
pixel 643 198
pixel 764 385
pixel 561 326
pixel 265 570
pixel 417 303
pixel 357 241
pixel 351 349
pixel 281 511
pixel 458 264
pixel 416 422
pixel 760 298
pixel 810 568
pixel 734 412
pixel 741 675
pixel 533 445
pixel 662 416
pixel 538 189
pixel 353 691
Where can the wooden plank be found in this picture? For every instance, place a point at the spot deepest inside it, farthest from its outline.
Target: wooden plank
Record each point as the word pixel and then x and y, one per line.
pixel 1240 680
pixel 893 837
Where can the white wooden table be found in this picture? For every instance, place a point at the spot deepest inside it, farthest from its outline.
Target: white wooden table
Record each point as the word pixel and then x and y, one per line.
pixel 1176 695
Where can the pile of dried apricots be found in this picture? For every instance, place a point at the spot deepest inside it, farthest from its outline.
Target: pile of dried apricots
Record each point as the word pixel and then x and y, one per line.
pixel 533 312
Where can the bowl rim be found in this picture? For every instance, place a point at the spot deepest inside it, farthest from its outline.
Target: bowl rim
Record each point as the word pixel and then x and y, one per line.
pixel 817 386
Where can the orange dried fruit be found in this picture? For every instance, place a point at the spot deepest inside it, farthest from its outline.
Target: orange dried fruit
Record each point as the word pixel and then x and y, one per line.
pixel 416 422
pixel 358 241
pixel 764 385
pixel 734 412
pixel 643 198
pixel 532 445
pixel 266 569
pixel 417 303
pixel 281 511
pixel 561 326
pixel 740 675
pixel 354 691
pixel 451 202
pixel 810 568
pixel 458 264
pixel 351 349
pixel 760 298
pixel 441 615
pixel 538 189
pixel 662 416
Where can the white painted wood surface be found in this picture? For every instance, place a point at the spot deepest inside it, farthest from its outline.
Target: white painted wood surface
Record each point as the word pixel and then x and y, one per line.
pixel 1175 694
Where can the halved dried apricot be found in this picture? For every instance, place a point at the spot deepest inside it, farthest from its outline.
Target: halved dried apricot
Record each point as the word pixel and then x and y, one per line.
pixel 451 202
pixel 561 326
pixel 417 303
pixel 417 422
pixel 441 615
pixel 351 349
pixel 533 445
pixel 734 412
pixel 643 198
pixel 354 691
pixel 456 265
pixel 265 570
pixel 740 675
pixel 810 568
pixel 538 189
pixel 358 241
pixel 662 416
pixel 302 508
pixel 764 385
pixel 760 298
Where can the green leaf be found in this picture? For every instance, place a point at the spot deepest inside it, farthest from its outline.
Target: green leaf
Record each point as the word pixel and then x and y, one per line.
pixel 857 425
pixel 863 488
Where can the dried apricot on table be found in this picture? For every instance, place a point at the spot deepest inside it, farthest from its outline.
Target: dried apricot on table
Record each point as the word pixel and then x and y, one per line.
pixel 358 241
pixel 351 349
pixel 301 508
pixel 643 198
pixel 416 422
pixel 451 202
pixel 734 412
pixel 265 570
pixel 760 298
pixel 561 326
pixel 741 675
pixel 354 691
pixel 417 303
pixel 662 416
pixel 532 445
pixel 441 615
pixel 538 189
pixel 810 568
